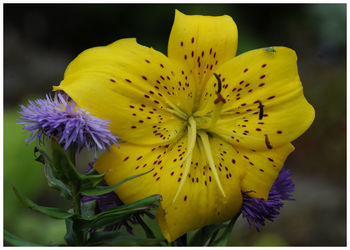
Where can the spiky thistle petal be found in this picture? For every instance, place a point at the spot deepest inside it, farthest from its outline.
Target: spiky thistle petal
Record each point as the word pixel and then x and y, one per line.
pixel 257 211
pixel 61 118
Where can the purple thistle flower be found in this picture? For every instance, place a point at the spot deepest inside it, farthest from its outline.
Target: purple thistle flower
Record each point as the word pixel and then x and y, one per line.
pixel 257 210
pixel 61 118
pixel 110 200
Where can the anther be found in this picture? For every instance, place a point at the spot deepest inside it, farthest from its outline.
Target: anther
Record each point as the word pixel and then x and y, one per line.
pixel 219 83
pixel 219 98
pixel 267 142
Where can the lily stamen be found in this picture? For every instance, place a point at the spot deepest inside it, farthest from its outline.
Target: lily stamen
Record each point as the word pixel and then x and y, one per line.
pixel 191 133
pixel 176 111
pixel 219 103
pixel 209 155
pixel 188 157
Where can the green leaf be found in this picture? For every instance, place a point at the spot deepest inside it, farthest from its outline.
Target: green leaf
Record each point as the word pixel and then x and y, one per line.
pixel 88 209
pixel 65 168
pixel 55 183
pixel 53 212
pixel 116 214
pixel 223 239
pixel 71 236
pixel 147 230
pixel 98 190
pixel 93 179
pixel 42 155
pixel 16 241
pixel 204 235
pixel 51 173
pixel 115 238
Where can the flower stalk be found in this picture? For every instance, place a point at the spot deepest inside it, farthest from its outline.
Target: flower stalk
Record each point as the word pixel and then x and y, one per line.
pixel 76 198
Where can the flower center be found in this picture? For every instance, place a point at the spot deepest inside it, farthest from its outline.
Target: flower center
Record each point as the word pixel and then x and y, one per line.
pixel 207 122
pixel 197 128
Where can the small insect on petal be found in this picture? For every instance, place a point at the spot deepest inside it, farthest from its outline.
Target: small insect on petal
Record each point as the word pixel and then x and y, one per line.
pixel 269 49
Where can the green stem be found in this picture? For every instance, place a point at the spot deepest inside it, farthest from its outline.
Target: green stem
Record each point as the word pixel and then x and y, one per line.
pixel 72 153
pixel 212 239
pixel 75 186
pixel 147 230
pixel 76 197
pixel 223 239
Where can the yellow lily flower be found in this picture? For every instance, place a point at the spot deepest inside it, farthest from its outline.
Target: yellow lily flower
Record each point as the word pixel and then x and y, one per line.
pixel 210 124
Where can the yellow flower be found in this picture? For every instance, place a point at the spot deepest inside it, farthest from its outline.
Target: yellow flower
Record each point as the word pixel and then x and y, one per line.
pixel 210 124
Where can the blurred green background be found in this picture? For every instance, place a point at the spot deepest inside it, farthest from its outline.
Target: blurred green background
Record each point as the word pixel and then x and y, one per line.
pixel 40 40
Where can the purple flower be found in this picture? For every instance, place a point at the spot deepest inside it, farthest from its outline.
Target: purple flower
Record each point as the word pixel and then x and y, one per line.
pixel 110 200
pixel 256 211
pixel 61 118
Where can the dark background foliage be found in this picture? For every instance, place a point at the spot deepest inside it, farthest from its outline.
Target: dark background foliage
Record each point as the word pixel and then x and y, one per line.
pixel 40 40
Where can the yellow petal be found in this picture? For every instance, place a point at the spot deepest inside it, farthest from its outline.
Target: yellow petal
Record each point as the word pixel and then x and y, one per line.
pixel 261 169
pixel 200 201
pixel 202 43
pixel 135 87
pixel 253 77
